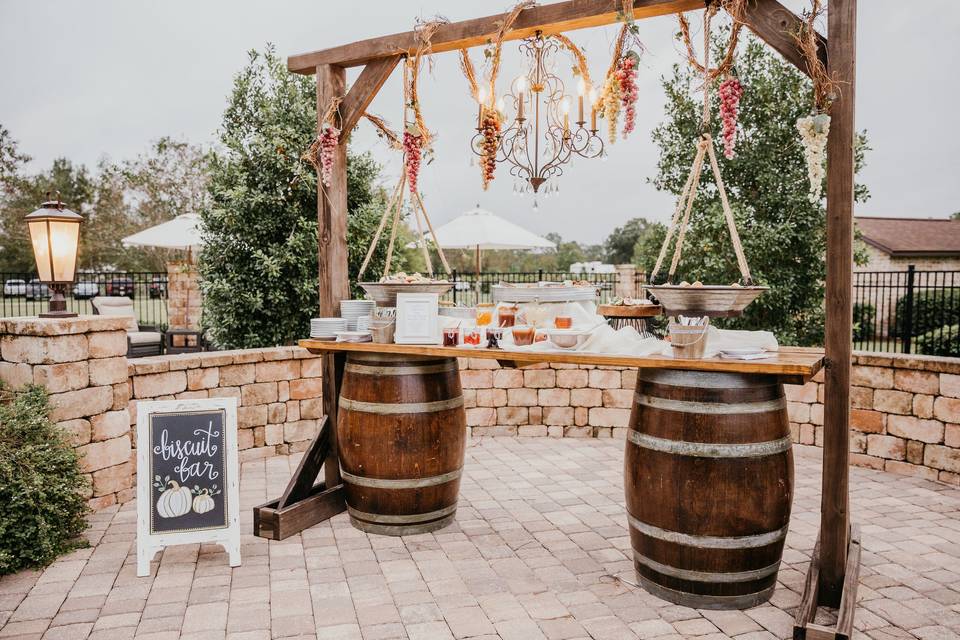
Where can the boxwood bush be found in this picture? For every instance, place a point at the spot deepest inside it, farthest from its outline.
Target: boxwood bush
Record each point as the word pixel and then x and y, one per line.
pixel 42 505
pixel 864 321
pixel 932 309
pixel 942 341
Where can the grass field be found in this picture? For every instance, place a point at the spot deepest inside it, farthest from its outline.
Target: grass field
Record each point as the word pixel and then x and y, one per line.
pixel 151 311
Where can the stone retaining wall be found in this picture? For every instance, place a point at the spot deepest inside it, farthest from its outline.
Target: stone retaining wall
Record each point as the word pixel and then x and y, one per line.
pixel 82 363
pixel 905 415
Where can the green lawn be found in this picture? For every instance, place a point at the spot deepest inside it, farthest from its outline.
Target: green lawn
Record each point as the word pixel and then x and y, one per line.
pixel 151 311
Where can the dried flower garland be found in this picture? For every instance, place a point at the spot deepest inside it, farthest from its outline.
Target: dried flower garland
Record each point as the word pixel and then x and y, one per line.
pixel 730 92
pixel 814 131
pixel 322 151
pixel 620 90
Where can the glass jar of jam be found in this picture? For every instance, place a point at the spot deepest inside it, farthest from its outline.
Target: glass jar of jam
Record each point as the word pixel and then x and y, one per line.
pixel 471 336
pixel 451 336
pixel 523 336
pixel 484 314
pixel 563 322
pixel 506 317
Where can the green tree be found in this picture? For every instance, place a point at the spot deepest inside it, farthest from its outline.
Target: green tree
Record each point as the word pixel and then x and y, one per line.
pixel 619 246
pixel 259 265
pixel 25 194
pixel 11 159
pixel 783 234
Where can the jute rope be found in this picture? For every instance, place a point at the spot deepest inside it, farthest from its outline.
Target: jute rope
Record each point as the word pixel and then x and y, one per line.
pixel 688 195
pixel 736 9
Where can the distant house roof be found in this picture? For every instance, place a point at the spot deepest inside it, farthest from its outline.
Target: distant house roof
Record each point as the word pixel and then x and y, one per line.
pixel 909 237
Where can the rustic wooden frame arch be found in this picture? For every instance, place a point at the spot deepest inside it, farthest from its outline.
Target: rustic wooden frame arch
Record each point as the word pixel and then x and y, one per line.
pixel 832 577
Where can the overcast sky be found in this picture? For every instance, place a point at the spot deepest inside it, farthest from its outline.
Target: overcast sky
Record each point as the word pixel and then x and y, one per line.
pixel 100 78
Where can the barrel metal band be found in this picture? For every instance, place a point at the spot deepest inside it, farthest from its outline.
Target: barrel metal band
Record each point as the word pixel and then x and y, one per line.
pixel 407 519
pixel 713 408
pixel 697 601
pixel 708 542
pixel 709 449
pixel 371 370
pixel 388 408
pixel 707 576
pixel 401 483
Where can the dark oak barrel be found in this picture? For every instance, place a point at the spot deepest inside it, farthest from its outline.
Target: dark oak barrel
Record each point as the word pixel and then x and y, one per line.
pixel 708 476
pixel 401 434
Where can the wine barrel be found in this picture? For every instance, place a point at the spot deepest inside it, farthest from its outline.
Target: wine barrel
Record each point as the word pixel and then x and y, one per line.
pixel 401 434
pixel 708 476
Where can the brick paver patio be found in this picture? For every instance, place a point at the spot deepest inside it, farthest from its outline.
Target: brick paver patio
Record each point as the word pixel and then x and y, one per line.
pixel 539 532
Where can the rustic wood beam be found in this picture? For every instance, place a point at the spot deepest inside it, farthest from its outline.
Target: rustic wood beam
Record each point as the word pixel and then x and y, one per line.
pixel 835 498
pixel 363 91
pixel 777 26
pixel 549 18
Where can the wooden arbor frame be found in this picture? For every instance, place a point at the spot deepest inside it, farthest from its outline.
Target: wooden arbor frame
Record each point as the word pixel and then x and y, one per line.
pixel 833 573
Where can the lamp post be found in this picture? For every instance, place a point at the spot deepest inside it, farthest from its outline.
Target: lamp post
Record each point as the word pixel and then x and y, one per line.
pixel 55 235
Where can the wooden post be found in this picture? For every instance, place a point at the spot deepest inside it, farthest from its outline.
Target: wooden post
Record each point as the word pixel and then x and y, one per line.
pixel 332 253
pixel 835 503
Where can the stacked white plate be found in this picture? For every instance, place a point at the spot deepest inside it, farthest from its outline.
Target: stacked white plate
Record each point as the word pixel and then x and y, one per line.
pixel 354 336
pixel 327 328
pixel 350 310
pixel 363 323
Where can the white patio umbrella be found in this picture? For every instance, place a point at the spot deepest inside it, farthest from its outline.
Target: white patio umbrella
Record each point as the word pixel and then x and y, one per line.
pixel 183 232
pixel 480 229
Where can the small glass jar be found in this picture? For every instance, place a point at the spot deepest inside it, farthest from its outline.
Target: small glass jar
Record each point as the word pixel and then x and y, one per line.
pixel 471 336
pixel 451 336
pixel 506 316
pixel 484 314
pixel 563 322
pixel 523 335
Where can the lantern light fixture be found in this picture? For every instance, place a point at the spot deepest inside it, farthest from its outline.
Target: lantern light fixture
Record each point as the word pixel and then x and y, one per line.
pixel 55 236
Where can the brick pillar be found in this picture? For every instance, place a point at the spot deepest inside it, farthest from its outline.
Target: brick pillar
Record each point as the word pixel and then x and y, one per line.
pixel 83 364
pixel 184 300
pixel 626 281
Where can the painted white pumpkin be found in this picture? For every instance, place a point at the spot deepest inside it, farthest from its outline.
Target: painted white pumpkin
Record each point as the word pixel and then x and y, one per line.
pixel 203 502
pixel 175 501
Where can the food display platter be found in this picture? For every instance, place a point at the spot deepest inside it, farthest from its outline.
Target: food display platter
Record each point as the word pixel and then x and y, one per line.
pixel 629 310
pixel 385 293
pixel 561 293
pixel 706 300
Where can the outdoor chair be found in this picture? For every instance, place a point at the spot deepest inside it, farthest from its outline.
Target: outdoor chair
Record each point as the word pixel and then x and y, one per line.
pixel 142 339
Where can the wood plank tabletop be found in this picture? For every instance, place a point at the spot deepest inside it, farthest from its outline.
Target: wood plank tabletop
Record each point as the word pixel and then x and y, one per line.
pixel 794 365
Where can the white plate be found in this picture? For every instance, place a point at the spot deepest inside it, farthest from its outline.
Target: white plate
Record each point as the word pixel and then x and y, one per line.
pixel 746 351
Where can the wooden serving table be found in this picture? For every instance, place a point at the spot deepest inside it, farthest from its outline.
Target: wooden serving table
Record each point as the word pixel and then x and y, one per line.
pixel 708 467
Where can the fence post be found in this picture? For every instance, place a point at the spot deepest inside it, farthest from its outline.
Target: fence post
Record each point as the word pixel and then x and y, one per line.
pixel 540 275
pixel 908 311
pixel 454 287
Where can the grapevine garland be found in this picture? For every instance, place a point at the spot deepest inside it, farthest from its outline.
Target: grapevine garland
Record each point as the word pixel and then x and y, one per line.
pixel 321 152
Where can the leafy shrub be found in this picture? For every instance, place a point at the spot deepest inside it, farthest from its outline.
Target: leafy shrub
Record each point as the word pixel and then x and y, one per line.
pixel 40 483
pixel 932 309
pixel 864 321
pixel 942 341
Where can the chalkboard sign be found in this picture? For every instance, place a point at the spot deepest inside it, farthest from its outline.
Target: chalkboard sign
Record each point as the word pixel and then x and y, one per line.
pixel 187 484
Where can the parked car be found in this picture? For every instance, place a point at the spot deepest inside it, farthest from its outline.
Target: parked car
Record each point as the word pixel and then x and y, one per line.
pixel 158 287
pixel 36 290
pixel 121 286
pixel 84 290
pixel 15 287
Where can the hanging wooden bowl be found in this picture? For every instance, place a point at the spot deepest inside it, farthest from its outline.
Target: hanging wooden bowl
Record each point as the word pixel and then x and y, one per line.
pixel 385 293
pixel 716 301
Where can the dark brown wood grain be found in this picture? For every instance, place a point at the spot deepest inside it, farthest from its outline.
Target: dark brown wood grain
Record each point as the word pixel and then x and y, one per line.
pixel 777 26
pixel 835 500
pixel 792 365
pixel 401 446
pixel 550 18
pixel 332 371
pixel 303 479
pixel 363 91
pixel 278 523
pixel 698 496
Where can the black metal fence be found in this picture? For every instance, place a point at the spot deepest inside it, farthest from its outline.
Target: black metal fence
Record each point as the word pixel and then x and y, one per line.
pixel 24 295
pixel 907 311
pixel 469 288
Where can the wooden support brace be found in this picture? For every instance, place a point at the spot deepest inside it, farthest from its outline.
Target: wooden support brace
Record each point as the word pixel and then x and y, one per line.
pixel 363 91
pixel 777 26
pixel 804 626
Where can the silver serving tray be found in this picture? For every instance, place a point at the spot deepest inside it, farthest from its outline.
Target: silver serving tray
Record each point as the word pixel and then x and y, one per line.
pixel 385 293
pixel 709 300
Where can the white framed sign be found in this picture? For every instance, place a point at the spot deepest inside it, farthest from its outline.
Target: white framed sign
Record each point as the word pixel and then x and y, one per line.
pixel 417 318
pixel 188 483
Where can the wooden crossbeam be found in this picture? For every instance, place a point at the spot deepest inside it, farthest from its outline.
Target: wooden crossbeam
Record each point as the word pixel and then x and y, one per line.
pixel 549 18
pixel 776 25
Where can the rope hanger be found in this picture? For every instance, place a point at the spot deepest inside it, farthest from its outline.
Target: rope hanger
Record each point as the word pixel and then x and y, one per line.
pixel 704 149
